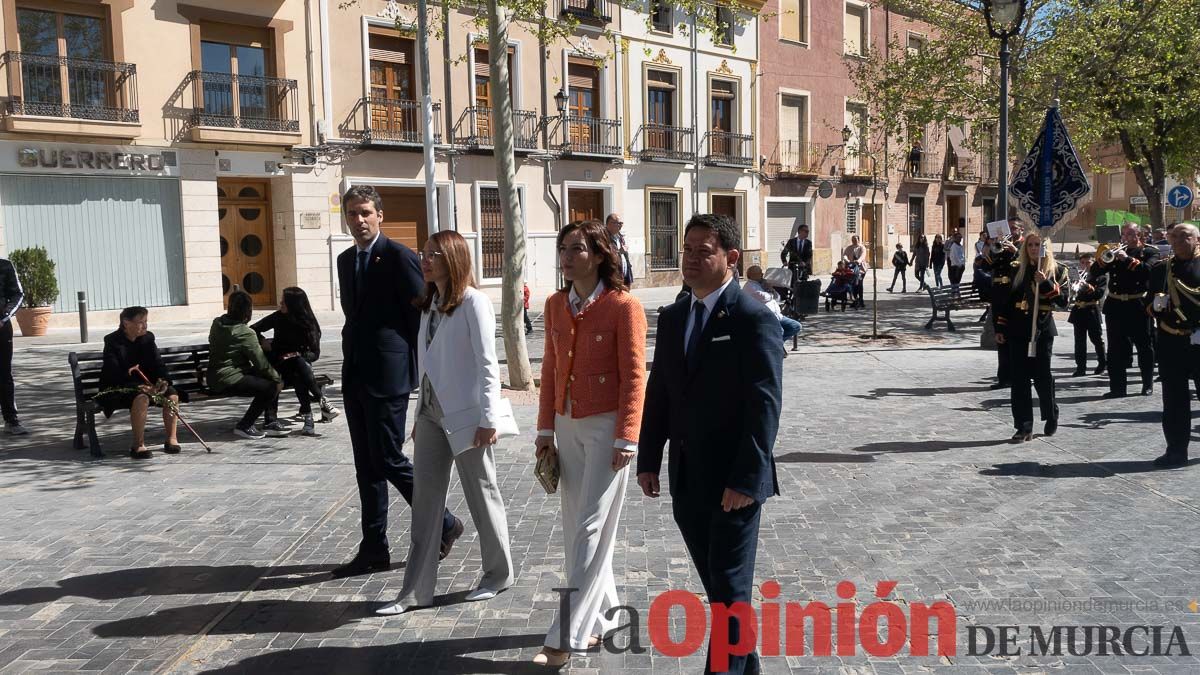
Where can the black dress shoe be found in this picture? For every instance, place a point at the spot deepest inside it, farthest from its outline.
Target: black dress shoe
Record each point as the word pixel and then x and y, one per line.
pixel 448 539
pixel 1079 372
pixel 1021 436
pixel 363 564
pixel 1113 394
pixel 1100 369
pixel 1170 460
pixel 999 385
pixel 1050 428
pixel 1148 390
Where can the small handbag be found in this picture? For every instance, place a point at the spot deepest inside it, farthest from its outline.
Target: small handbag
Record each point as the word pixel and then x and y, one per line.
pixel 546 472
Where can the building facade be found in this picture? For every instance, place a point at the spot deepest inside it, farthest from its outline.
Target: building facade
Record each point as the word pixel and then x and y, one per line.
pixel 826 167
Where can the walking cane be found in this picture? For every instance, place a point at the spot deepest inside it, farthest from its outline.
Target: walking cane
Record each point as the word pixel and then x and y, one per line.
pixel 175 409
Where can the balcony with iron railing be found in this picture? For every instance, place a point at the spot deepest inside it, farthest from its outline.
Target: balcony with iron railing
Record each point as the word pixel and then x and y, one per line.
pixel 798 159
pixel 474 129
pixel 389 122
pixel 588 11
pixel 924 168
pixel 858 166
pixel 989 170
pixel 55 94
pixel 962 170
pixel 662 143
pixel 725 148
pixel 586 136
pixel 244 108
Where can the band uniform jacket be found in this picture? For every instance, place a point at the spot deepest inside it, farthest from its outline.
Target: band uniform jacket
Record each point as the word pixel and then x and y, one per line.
pixel 796 251
pixel 1017 316
pixel 1003 267
pixel 720 418
pixel 1126 278
pixel 1085 306
pixel 381 326
pixel 1179 281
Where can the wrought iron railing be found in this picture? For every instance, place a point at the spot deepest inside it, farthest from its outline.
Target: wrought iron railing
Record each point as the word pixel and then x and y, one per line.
pixel 857 164
pixel 926 166
pixel 989 170
pixel 962 170
pixel 588 10
pixel 726 148
pixel 474 128
pixel 244 102
pixel 800 159
pixel 661 142
pixel 389 121
pixel 591 135
pixel 94 90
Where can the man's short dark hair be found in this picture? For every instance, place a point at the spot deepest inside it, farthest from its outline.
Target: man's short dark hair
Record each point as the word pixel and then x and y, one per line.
pixel 1087 255
pixel 131 313
pixel 241 306
pixel 802 227
pixel 362 193
pixel 726 230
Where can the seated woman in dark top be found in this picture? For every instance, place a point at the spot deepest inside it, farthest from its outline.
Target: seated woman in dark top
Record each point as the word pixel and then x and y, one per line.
pixel 238 366
pixel 296 345
pixel 132 346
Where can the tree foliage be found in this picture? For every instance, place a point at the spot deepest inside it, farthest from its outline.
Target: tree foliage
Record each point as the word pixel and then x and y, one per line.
pixel 1122 69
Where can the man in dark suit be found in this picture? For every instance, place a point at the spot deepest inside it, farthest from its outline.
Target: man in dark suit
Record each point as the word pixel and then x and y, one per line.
pixel 614 224
pixel 714 395
pixel 379 278
pixel 797 254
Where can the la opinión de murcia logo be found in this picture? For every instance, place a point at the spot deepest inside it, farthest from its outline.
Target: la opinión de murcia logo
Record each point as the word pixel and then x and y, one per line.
pixel 883 628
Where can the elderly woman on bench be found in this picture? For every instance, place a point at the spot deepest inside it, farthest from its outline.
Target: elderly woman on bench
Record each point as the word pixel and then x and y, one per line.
pixel 128 350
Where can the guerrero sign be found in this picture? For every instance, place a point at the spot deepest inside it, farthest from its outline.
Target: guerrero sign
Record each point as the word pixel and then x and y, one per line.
pixel 34 158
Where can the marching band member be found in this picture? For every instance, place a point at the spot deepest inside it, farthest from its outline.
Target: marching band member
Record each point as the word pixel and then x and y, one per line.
pixel 1124 314
pixel 1085 317
pixel 1175 304
pixel 1002 259
pixel 1049 280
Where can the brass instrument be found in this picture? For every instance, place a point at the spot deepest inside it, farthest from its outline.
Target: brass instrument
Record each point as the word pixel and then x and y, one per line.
pixel 997 245
pixel 1107 254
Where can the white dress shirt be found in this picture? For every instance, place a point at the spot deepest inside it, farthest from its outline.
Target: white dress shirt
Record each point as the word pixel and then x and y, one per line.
pixel 764 294
pixel 710 302
pixel 957 257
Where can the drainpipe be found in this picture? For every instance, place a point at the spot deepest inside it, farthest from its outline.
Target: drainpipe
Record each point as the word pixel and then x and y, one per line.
pixel 695 121
pixel 326 70
pixel 310 73
pixel 451 165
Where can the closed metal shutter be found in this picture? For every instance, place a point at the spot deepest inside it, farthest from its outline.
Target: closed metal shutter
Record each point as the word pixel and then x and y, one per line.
pixel 119 239
pixel 783 219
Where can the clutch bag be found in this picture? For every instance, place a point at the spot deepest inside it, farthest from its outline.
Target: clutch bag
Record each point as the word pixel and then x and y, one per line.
pixel 546 472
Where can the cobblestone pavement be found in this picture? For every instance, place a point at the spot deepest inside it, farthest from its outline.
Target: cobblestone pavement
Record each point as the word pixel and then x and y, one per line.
pixel 893 464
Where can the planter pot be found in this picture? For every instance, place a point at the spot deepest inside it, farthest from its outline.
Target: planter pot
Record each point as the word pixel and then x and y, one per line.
pixel 33 320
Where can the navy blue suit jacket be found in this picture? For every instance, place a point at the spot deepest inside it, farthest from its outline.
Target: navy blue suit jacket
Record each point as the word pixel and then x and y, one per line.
pixel 380 334
pixel 721 419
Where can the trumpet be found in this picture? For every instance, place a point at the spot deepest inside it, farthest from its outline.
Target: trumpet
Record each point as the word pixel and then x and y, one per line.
pixel 997 245
pixel 1109 253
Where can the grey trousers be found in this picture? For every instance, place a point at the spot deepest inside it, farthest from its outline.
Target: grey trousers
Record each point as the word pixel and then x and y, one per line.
pixel 432 461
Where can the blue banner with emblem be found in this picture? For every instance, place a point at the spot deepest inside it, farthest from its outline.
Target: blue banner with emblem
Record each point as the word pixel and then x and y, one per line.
pixel 1050 186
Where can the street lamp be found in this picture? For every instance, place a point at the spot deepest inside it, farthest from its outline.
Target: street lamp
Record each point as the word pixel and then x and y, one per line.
pixel 847 132
pixel 1004 19
pixel 560 102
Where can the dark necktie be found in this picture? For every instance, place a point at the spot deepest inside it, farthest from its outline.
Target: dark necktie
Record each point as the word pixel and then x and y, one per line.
pixel 693 344
pixel 360 274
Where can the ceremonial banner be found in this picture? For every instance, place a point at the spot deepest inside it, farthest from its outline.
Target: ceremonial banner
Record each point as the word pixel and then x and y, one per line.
pixel 1050 186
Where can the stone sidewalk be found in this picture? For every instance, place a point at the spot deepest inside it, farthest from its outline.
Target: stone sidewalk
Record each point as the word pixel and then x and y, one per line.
pixel 894 465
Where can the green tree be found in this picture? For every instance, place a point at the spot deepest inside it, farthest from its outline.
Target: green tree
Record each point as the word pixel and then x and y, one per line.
pixel 1121 69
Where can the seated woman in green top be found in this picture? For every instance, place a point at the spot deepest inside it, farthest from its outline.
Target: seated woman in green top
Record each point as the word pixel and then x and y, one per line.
pixel 238 366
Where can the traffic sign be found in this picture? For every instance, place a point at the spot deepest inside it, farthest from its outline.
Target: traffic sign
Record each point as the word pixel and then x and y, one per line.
pixel 825 189
pixel 1180 196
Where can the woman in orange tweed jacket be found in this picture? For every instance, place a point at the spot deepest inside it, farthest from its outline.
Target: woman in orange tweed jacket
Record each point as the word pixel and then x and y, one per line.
pixel 590 414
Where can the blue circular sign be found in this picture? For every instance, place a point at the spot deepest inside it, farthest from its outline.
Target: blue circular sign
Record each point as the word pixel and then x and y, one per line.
pixel 1180 196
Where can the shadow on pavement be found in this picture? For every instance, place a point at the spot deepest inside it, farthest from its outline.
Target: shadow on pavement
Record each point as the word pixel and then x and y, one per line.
pixel 1074 469
pixel 448 656
pixel 900 447
pixel 824 458
pixel 252 617
pixel 169 580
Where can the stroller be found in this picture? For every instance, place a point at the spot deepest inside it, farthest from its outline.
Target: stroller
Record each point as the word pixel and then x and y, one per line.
pixel 840 288
pixel 856 294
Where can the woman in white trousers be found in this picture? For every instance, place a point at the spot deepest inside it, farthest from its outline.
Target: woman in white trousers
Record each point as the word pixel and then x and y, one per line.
pixel 589 416
pixel 458 413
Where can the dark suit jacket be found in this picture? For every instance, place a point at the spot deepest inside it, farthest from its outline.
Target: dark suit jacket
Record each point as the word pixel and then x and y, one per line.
pixel 796 251
pixel 720 419
pixel 380 335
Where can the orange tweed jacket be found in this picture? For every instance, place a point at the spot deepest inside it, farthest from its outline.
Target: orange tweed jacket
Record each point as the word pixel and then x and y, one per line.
pixel 601 354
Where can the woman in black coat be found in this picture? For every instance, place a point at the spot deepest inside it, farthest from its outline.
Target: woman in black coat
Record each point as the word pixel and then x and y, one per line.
pixel 294 347
pixel 126 350
pixel 937 257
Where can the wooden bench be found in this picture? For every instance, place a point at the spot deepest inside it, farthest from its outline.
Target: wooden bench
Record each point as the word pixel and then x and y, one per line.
pixel 945 299
pixel 187 368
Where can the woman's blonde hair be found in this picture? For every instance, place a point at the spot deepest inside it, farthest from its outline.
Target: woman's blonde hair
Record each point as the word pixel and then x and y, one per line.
pixel 1048 265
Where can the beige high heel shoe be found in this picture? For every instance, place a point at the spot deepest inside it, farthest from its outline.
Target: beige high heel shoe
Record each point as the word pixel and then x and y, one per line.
pixel 551 658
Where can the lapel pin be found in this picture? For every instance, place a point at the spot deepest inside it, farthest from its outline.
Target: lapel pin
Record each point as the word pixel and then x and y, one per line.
pixel 721 314
pixel 377 258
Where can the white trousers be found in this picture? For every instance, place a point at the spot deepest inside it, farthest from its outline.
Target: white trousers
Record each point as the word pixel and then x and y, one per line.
pixel 592 495
pixel 432 461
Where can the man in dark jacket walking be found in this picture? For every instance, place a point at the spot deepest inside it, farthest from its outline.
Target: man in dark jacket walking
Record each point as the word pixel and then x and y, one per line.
pixel 11 296
pixel 900 262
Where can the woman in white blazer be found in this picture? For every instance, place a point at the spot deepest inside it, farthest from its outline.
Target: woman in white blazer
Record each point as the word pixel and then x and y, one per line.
pixel 459 415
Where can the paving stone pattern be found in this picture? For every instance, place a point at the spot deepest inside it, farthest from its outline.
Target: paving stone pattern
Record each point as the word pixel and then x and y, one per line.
pixel 894 465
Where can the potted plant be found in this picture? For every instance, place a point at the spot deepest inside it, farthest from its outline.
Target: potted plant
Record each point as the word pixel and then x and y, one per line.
pixel 35 270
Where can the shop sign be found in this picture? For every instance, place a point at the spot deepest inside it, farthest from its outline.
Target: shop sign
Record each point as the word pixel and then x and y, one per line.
pixel 95 160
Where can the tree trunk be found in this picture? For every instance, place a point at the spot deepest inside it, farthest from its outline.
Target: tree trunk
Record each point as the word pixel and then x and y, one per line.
pixel 520 374
pixel 1149 168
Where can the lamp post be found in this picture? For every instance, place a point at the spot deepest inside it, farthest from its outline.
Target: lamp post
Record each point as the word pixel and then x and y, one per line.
pixel 1004 19
pixel 560 101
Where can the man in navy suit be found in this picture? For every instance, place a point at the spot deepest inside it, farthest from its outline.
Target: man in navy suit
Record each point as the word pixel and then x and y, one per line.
pixel 714 395
pixel 797 254
pixel 379 278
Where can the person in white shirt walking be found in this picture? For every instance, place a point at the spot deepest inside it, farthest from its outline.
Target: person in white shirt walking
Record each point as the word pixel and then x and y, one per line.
pixel 957 258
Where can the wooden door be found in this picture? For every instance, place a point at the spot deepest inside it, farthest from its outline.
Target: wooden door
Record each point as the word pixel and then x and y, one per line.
pixel 866 228
pixel 247 256
pixel 585 205
pixel 404 216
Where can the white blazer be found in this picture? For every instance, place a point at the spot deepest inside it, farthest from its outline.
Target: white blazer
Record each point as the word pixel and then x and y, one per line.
pixel 461 362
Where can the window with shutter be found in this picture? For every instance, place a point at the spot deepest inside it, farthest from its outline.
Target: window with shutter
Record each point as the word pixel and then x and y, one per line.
pixel 793 146
pixel 664 230
pixel 792 20
pixel 783 219
pixel 854 34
